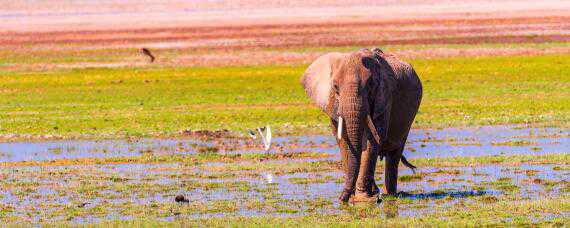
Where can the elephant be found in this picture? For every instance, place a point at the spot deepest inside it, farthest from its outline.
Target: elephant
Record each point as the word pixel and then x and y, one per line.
pixel 372 99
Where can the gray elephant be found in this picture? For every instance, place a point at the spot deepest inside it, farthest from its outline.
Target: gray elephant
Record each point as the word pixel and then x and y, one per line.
pixel 372 99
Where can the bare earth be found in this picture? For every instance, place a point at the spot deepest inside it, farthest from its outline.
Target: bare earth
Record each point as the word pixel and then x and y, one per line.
pixel 214 33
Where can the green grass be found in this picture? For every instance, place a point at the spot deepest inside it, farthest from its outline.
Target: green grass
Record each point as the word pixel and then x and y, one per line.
pixel 122 102
pixel 503 212
pixel 115 195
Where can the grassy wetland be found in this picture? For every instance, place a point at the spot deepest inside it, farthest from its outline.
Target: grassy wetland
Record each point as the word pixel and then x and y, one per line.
pixel 93 134
pixel 163 101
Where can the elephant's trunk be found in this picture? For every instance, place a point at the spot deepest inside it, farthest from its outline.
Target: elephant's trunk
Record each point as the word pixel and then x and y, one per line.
pixel 352 112
pixel 354 127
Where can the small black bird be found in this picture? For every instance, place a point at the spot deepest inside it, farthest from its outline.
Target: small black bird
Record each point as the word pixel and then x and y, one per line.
pixel 181 199
pixel 147 53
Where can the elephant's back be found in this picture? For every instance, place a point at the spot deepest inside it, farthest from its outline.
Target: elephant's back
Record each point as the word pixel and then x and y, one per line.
pixel 404 74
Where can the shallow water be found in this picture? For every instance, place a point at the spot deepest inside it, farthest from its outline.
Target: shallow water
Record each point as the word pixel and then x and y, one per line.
pixel 40 151
pixel 40 193
pixel 298 192
pixel 488 140
pixel 476 141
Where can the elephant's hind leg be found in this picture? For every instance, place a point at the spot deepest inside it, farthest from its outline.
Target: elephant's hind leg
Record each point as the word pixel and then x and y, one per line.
pixel 391 164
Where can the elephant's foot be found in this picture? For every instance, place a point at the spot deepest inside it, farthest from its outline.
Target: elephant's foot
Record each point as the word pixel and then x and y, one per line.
pixel 367 192
pixel 364 196
pixel 345 196
pixel 370 187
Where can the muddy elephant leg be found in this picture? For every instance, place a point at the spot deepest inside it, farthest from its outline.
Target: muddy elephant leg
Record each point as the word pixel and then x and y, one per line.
pixel 391 171
pixel 345 158
pixel 366 188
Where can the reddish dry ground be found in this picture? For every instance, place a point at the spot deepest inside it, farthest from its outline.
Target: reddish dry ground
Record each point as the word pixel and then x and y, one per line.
pixel 275 37
pixel 417 31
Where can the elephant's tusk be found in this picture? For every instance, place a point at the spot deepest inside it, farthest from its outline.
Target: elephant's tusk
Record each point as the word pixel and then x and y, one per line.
pixel 372 129
pixel 339 130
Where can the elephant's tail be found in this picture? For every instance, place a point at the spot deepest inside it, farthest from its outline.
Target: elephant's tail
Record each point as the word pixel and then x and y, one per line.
pixel 408 164
pixel 404 161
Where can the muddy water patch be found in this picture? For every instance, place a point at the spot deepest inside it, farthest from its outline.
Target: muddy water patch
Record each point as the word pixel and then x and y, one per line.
pixel 448 142
pixel 40 151
pixel 531 181
pixel 469 141
pixel 280 186
pixel 488 140
pixel 90 193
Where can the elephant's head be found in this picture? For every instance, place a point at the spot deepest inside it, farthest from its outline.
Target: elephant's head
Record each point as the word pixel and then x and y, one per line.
pixel 352 85
pixel 352 88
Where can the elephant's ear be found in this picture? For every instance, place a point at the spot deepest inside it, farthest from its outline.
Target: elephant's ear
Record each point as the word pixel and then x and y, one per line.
pixel 383 87
pixel 317 79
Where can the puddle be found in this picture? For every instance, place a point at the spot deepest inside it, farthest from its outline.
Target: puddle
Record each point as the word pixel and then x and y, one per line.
pixel 487 140
pixel 40 151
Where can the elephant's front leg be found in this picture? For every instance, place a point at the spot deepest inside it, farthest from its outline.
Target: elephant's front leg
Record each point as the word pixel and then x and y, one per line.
pixel 349 165
pixel 366 188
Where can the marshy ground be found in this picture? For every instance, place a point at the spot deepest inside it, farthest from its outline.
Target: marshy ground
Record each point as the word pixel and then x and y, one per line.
pixel 498 174
pixel 91 133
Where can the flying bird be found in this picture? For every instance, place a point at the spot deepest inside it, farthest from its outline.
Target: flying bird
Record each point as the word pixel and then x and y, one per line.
pixel 146 52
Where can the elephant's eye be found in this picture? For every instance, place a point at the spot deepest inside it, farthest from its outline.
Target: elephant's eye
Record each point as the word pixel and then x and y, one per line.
pixel 336 90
